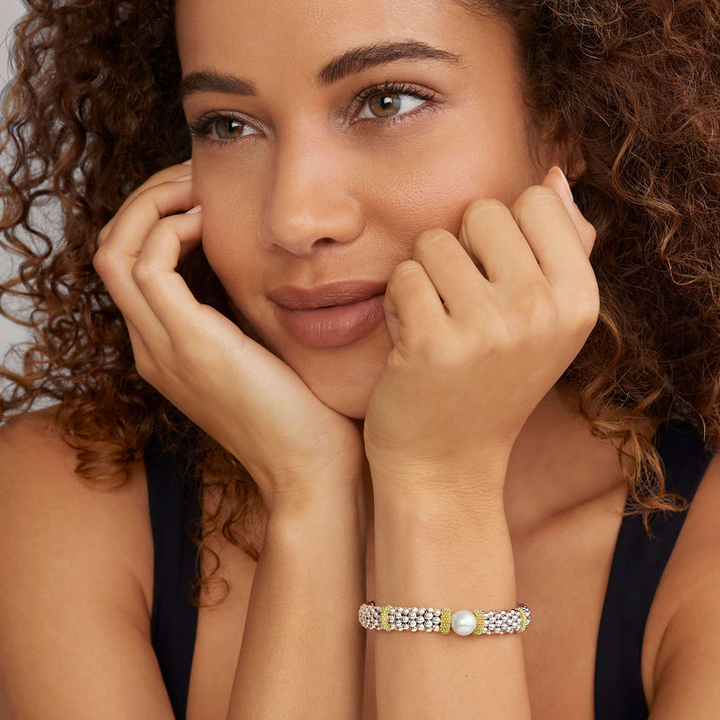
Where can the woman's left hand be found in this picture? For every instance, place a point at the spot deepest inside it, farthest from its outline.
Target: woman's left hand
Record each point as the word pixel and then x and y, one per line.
pixel 476 347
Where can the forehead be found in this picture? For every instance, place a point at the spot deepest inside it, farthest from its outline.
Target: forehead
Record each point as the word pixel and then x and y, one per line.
pixel 292 36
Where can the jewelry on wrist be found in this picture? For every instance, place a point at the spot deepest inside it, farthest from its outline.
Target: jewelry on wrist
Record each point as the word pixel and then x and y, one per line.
pixel 462 622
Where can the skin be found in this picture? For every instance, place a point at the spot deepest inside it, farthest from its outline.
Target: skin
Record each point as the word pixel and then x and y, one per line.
pixel 269 200
pixel 299 175
pixel 286 218
pixel 486 229
pixel 298 199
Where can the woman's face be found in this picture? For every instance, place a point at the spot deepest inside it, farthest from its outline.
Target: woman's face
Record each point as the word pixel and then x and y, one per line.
pixel 303 183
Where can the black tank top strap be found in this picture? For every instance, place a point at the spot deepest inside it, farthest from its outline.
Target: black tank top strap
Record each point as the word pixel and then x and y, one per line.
pixel 637 565
pixel 173 511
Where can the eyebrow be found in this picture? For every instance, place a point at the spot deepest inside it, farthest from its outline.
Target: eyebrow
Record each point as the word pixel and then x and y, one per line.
pixel 348 63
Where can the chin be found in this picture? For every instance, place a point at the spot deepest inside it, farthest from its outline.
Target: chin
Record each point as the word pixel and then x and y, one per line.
pixel 349 401
pixel 346 384
pixel 342 378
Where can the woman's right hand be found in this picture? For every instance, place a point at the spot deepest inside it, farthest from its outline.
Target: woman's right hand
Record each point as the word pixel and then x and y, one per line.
pixel 295 447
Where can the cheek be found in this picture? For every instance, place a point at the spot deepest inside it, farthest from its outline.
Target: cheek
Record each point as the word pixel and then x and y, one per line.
pixel 227 235
pixel 443 176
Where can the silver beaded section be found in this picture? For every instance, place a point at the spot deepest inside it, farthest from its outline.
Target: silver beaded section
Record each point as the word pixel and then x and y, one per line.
pixel 506 621
pixel 414 619
pixel 400 618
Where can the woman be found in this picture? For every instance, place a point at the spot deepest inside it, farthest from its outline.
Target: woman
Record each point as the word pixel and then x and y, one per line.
pixel 375 337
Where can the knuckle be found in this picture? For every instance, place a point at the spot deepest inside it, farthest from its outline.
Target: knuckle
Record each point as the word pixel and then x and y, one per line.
pixel 403 269
pixel 145 366
pixel 536 303
pixel 590 231
pixel 166 225
pixel 540 194
pixel 588 310
pixel 587 285
pixel 482 205
pixel 477 209
pixel 144 195
pixel 480 307
pixel 164 231
pixel 103 261
pixel 581 308
pixel 147 370
pixel 133 196
pixel 143 369
pixel 142 273
pixel 428 238
pixel 504 338
pixel 587 324
pixel 102 235
pixel 533 198
pixel 545 315
pixel 534 293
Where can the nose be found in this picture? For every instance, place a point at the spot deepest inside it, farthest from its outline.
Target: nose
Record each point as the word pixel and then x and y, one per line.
pixel 309 202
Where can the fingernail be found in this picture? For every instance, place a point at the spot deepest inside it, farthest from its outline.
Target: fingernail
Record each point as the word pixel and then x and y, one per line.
pixel 187 162
pixel 565 185
pixel 194 210
pixel 182 178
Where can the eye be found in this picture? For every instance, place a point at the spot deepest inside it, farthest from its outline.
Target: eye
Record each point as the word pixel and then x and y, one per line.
pixel 382 105
pixel 391 100
pixel 219 128
pixel 227 128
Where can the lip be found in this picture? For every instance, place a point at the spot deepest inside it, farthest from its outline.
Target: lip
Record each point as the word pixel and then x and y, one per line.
pixel 342 292
pixel 330 315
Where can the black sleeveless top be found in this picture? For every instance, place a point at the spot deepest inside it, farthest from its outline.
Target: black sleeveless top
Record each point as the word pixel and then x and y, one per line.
pixel 174 509
pixel 637 565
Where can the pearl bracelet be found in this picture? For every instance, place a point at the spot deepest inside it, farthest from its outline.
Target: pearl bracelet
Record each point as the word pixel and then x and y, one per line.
pixel 462 622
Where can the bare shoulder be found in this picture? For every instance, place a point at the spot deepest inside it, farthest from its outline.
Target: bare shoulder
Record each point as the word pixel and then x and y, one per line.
pixel 76 584
pixel 682 679
pixel 38 480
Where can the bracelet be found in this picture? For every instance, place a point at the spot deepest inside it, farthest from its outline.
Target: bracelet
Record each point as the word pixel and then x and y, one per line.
pixel 462 622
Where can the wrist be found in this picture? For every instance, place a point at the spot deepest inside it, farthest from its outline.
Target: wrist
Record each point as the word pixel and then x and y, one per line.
pixel 317 537
pixel 425 552
pixel 441 523
pixel 324 513
pixel 311 494
pixel 291 507
pixel 441 491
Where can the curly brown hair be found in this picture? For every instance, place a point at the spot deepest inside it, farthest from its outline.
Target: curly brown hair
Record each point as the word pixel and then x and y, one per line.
pixel 633 85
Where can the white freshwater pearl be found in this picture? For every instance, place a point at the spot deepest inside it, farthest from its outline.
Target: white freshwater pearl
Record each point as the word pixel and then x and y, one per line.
pixel 463 622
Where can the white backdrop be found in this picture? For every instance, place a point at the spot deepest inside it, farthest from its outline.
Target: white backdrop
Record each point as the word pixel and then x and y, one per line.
pixel 10 12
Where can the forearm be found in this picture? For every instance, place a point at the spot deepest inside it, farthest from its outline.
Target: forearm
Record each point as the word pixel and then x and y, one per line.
pixel 446 555
pixel 303 650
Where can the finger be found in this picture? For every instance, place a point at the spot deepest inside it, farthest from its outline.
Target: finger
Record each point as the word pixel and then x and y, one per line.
pixel 165 291
pixel 152 183
pixel 411 301
pixel 492 235
pixel 167 174
pixel 134 224
pixel 116 275
pixel 115 259
pixel 556 179
pixel 542 216
pixel 453 272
